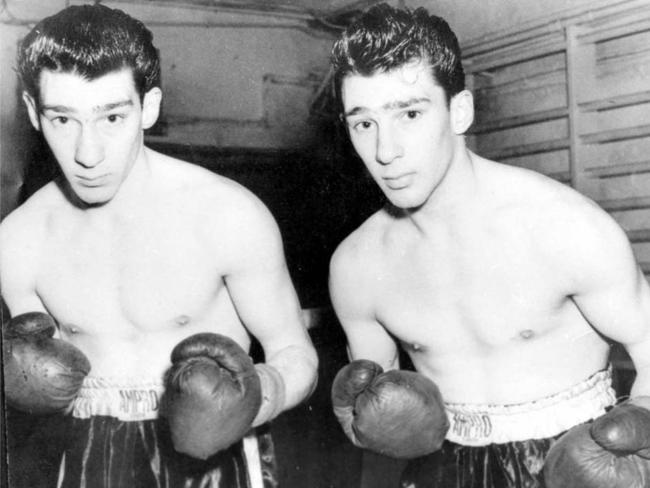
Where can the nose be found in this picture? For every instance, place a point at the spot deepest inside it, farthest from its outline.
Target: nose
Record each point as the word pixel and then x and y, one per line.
pixel 389 147
pixel 90 150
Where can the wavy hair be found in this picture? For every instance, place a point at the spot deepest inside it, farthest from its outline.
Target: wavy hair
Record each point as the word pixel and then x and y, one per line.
pixel 90 40
pixel 385 38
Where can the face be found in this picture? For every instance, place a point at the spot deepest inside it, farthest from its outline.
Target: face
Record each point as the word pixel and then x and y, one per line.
pixel 94 128
pixel 403 129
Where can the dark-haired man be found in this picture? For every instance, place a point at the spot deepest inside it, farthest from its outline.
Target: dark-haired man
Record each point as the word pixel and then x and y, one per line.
pixel 131 253
pixel 502 285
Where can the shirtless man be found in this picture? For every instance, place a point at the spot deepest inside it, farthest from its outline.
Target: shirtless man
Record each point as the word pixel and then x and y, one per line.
pixel 132 252
pixel 499 283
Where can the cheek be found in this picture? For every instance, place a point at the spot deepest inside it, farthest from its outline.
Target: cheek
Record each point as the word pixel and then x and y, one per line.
pixel 123 141
pixel 364 147
pixel 62 145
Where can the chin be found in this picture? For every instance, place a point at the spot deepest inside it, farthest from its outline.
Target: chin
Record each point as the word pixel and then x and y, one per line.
pixel 94 198
pixel 405 202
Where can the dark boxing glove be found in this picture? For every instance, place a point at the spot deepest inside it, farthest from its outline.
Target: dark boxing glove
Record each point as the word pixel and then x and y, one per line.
pixel 611 452
pixel 212 394
pixel 397 413
pixel 42 374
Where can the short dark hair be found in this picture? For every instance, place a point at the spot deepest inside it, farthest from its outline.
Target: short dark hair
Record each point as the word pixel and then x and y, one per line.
pixel 90 40
pixel 384 38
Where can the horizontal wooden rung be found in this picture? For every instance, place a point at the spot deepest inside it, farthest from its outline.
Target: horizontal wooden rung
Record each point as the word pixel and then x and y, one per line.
pixel 619 170
pixel 623 27
pixel 515 54
pixel 621 204
pixel 639 235
pixel 616 135
pixel 615 101
pixel 519 120
pixel 528 149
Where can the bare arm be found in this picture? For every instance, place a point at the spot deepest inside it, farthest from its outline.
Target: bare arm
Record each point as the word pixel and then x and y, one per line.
pixel 351 292
pixel 19 257
pixel 266 301
pixel 612 292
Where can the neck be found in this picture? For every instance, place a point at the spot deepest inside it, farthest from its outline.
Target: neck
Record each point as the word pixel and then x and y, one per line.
pixel 136 183
pixel 132 191
pixel 455 194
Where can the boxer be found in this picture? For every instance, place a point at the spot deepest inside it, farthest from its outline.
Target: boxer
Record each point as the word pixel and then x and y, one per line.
pixel 502 285
pixel 158 272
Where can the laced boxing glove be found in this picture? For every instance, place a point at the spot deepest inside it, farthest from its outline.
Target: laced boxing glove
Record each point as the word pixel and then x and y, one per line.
pixel 42 374
pixel 397 413
pixel 611 452
pixel 212 394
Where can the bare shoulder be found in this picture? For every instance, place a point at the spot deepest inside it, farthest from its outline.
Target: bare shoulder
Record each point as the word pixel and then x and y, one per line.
pixel 23 241
pixel 356 264
pixel 222 213
pixel 544 200
pixel 362 248
pixel 31 218
pixel 565 225
pixel 210 195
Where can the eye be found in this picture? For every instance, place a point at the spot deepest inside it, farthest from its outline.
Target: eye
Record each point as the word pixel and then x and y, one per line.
pixel 362 125
pixel 60 120
pixel 412 114
pixel 113 118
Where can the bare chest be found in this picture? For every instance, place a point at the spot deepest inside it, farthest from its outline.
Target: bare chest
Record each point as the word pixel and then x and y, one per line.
pixel 142 275
pixel 473 296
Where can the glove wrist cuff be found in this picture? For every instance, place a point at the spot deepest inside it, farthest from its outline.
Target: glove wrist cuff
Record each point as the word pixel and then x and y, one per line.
pixel 273 393
pixel 640 401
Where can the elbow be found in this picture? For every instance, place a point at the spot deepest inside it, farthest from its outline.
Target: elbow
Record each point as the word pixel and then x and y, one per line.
pixel 311 367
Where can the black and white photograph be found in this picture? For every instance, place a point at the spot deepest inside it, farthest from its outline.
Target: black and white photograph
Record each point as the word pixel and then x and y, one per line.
pixel 325 243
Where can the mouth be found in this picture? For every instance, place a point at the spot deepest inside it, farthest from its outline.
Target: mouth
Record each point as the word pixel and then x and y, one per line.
pixel 398 182
pixel 92 182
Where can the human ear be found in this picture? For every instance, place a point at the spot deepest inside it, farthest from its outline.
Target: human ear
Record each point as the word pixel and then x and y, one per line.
pixel 32 110
pixel 461 108
pixel 151 107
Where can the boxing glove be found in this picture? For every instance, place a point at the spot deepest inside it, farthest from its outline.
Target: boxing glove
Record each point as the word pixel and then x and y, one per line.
pixel 611 452
pixel 212 394
pixel 397 413
pixel 42 374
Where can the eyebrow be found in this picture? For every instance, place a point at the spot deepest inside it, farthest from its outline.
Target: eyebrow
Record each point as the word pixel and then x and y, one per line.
pixel 395 105
pixel 98 109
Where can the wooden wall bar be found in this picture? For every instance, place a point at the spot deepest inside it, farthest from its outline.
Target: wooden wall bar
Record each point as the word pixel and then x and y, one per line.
pixel 570 98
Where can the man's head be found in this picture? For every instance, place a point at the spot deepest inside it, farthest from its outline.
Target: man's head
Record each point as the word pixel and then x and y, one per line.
pixel 385 38
pixel 90 76
pixel 90 41
pixel 400 85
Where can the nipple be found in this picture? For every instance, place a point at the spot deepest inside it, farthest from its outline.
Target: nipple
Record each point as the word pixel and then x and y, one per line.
pixel 414 346
pixel 182 320
pixel 71 329
pixel 527 334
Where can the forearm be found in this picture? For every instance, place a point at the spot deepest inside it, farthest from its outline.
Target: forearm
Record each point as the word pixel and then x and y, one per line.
pixel 287 377
pixel 640 354
pixel 641 385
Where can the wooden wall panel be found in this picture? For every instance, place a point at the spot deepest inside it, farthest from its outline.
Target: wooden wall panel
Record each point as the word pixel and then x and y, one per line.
pixel 571 99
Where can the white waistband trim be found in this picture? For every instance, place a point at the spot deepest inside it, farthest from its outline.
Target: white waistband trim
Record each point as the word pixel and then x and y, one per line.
pixel 127 399
pixel 480 425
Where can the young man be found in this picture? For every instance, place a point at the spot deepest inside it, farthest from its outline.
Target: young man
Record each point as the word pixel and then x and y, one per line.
pixel 135 255
pixel 501 285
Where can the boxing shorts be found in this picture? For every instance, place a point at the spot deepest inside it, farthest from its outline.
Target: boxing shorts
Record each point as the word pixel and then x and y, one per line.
pixel 118 438
pixel 504 446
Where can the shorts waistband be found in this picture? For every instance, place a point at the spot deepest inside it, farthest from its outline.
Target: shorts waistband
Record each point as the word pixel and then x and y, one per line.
pixel 480 425
pixel 127 399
